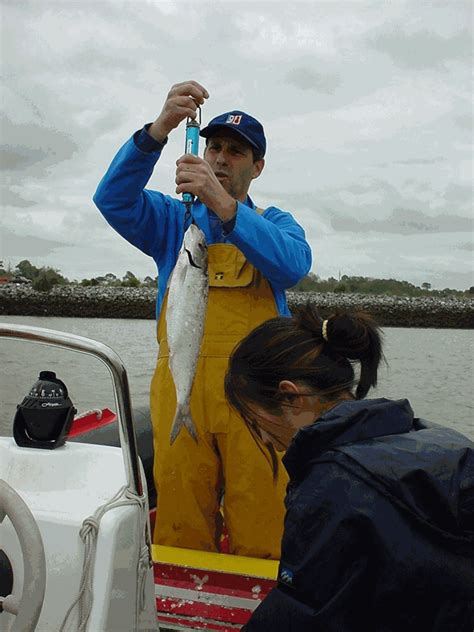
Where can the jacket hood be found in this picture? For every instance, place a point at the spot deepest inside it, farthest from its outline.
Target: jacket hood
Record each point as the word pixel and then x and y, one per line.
pixel 348 422
pixel 425 468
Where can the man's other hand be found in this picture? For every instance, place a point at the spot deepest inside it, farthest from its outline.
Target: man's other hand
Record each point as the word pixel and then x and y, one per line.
pixel 195 175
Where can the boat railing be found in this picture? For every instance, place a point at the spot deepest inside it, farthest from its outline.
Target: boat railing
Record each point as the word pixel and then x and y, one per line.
pixel 121 389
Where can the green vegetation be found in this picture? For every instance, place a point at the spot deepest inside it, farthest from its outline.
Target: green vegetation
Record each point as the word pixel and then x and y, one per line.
pixel 128 280
pixel 45 278
pixel 42 279
pixel 363 285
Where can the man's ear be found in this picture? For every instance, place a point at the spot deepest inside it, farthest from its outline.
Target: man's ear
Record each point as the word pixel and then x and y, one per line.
pixel 258 166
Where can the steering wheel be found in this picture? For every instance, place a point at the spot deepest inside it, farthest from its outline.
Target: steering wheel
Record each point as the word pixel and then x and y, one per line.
pixel 27 608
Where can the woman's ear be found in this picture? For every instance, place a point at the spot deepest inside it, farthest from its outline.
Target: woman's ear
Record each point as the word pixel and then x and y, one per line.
pixel 290 394
pixel 288 388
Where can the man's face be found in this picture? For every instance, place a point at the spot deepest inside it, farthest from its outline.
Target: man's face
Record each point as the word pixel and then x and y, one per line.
pixel 232 161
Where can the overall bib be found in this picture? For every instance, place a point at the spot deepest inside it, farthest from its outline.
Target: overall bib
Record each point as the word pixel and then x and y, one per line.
pixel 190 476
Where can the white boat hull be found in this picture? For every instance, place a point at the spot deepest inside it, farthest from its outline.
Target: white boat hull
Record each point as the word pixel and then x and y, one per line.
pixel 62 488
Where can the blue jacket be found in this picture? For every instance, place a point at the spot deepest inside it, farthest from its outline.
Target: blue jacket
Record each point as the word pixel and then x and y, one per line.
pixel 155 223
pixel 379 531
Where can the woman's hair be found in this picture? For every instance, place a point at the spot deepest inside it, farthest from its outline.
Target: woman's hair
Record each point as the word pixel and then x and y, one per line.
pixel 306 349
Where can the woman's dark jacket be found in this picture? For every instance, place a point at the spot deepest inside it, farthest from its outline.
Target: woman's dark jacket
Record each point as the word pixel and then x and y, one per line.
pixel 379 530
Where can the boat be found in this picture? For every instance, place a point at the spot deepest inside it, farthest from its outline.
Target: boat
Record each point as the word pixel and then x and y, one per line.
pixel 75 528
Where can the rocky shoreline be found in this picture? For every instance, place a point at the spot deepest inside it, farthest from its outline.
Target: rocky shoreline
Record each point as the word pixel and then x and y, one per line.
pixel 119 302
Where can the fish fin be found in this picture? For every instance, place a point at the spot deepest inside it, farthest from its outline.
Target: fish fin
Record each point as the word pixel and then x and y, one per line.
pixel 182 418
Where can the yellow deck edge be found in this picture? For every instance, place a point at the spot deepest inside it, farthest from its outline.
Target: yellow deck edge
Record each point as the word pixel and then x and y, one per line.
pixel 221 562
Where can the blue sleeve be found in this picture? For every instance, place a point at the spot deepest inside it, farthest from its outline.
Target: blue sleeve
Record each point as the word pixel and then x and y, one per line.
pixel 323 582
pixel 141 216
pixel 274 243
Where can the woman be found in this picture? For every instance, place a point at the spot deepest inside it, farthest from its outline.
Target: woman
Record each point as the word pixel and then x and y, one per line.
pixel 379 529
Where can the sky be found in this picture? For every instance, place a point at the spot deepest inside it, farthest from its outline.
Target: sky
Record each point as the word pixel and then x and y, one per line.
pixel 367 109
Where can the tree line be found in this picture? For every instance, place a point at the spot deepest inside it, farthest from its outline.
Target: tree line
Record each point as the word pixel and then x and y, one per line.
pixel 368 285
pixel 45 278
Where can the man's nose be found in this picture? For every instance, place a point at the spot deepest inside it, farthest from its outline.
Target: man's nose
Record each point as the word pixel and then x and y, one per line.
pixel 221 157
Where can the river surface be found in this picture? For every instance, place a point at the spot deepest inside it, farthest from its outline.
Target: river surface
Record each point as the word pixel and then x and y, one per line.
pixel 432 368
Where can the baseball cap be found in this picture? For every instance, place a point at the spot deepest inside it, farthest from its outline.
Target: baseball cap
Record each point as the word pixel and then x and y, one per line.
pixel 241 123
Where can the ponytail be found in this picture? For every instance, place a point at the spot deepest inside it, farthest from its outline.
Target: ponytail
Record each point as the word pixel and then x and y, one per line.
pixel 307 349
pixel 357 337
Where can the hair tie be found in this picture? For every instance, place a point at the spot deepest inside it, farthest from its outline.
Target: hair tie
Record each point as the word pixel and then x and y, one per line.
pixel 324 330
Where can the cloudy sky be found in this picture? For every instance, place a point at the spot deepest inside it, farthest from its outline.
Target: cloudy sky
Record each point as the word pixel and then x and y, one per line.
pixel 366 106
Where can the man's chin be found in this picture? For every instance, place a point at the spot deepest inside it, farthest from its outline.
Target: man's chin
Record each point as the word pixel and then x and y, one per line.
pixel 227 186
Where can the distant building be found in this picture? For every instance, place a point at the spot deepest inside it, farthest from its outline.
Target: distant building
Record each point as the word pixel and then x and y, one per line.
pixel 18 279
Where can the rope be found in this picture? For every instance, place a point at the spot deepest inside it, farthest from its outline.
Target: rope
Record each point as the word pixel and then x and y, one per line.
pixel 96 411
pixel 89 534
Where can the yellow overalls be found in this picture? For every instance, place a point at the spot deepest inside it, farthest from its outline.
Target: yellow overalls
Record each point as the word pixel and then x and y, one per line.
pixel 190 476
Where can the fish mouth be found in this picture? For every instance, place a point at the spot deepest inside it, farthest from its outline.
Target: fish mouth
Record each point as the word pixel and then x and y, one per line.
pixel 191 261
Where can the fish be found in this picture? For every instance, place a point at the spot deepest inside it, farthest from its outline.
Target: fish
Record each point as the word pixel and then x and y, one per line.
pixel 185 315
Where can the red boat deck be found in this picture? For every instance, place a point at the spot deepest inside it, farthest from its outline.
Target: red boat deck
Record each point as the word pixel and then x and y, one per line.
pixel 196 590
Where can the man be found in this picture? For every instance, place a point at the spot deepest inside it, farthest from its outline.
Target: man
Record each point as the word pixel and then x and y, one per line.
pixel 253 256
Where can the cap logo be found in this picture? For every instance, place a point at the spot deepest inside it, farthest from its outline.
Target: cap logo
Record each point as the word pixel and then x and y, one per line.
pixel 234 119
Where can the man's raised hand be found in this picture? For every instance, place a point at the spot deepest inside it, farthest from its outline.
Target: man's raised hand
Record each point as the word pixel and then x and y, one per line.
pixel 182 102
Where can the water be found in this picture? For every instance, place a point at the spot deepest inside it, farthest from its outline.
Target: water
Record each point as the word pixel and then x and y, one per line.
pixel 433 368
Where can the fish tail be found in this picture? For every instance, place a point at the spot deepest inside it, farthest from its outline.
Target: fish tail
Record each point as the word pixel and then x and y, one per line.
pixel 182 418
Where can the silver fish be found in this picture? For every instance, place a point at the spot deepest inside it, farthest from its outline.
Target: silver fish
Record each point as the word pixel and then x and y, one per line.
pixel 185 315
